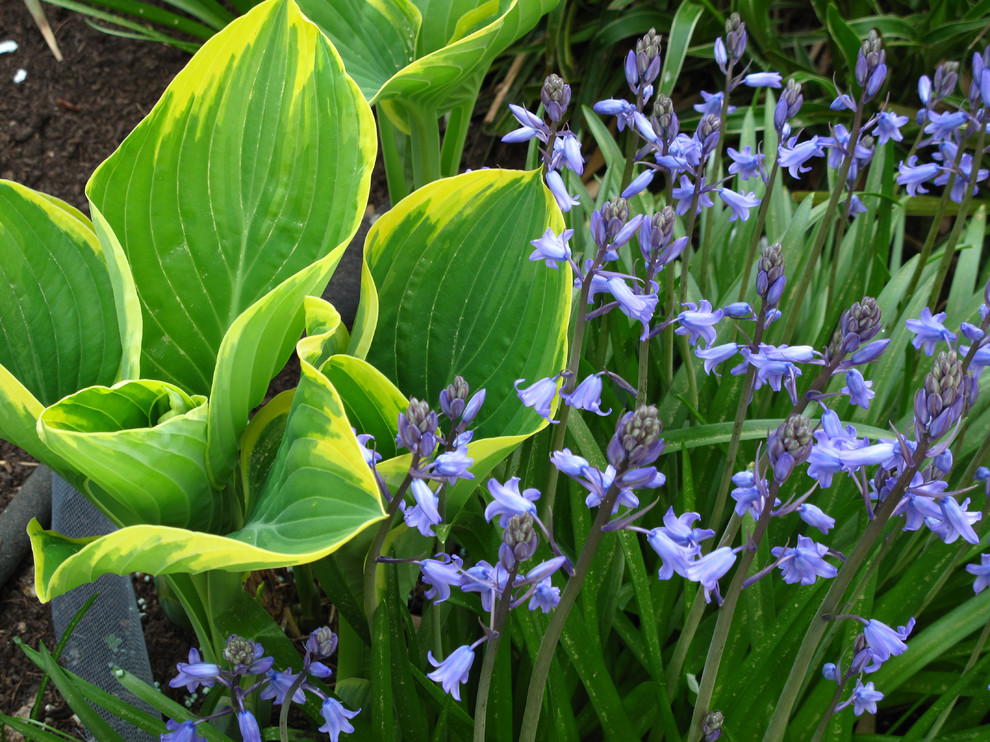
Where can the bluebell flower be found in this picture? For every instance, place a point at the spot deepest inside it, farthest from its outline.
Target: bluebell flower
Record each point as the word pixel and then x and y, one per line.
pixel 371 457
pixel 425 514
pixel 674 557
pixel 336 718
pixel 570 464
pixel 762 80
pixel 964 171
pixel 775 365
pixel 680 528
pixel 739 310
pixel 556 185
pixel 917 506
pixel 710 568
pixel 863 698
pixel 451 466
pixel 486 580
pixel 793 156
pixel 587 396
pixel 721 57
pixel 843 101
pixel 885 641
pixel 195 673
pixel 712 104
pixel 453 671
pixel 858 389
pixel 552 248
pixel 509 501
pixel 956 521
pixel 698 321
pixel 539 396
pixel 184 732
pixel 683 154
pixel 746 164
pixel 748 494
pixel 740 203
pixel 716 354
pixel 567 151
pixel 597 483
pixel 639 183
pixel 440 574
pixel 803 563
pixel 831 672
pixel 982 573
pixel 531 126
pixel 942 125
pixel 279 684
pixel 929 331
pixel 828 455
pixel 248 725
pixel 684 194
pixel 865 354
pixel 545 596
pixel 914 176
pixel 816 517
pixel 889 127
pixel 624 111
pixel 638 307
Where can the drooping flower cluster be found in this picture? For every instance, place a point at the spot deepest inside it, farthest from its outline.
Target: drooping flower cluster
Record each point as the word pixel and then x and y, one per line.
pixel 246 659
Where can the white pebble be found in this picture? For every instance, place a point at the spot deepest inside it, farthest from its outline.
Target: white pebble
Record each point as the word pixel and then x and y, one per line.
pixel 20 76
pixel 8 46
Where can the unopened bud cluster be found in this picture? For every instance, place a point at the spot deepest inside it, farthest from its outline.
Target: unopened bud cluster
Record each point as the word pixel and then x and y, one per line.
pixel 871 67
pixel 418 428
pixel 788 105
pixel 789 445
pixel 735 37
pixel 556 96
pixel 940 401
pixel 858 324
pixel 608 221
pixel 238 651
pixel 770 278
pixel 519 541
pixel 636 442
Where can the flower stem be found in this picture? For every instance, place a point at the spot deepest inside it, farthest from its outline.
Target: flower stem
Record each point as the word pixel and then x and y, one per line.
pixel 491 650
pixel 823 228
pixel 371 565
pixel 805 655
pixel 725 613
pixel 761 218
pixel 541 665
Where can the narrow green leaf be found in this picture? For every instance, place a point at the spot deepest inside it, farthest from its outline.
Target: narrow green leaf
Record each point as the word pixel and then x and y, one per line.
pixel 678 41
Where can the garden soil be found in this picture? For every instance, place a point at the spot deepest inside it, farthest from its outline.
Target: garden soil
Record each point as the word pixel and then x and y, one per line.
pixel 56 126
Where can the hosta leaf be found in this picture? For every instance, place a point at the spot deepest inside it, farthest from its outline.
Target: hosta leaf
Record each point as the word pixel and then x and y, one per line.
pixel 59 328
pixel 143 446
pixel 318 495
pixel 458 295
pixel 255 164
pixel 375 39
pixel 449 75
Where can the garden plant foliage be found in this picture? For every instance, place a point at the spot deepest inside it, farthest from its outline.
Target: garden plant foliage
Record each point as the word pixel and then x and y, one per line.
pixel 671 452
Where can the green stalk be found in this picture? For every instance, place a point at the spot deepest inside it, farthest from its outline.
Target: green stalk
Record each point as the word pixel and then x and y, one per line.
pixel 395 173
pixel 453 138
pixel 541 665
pixel 805 655
pixel 715 167
pixel 725 614
pixel 761 219
pixel 926 249
pixel 491 650
pixel 371 565
pixel 809 268
pixel 424 129
pixel 943 268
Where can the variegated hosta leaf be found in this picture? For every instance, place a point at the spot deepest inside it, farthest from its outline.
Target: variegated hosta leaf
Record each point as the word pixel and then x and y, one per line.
pixel 458 294
pixel 254 165
pixel 143 446
pixel 59 328
pixel 428 53
pixel 317 495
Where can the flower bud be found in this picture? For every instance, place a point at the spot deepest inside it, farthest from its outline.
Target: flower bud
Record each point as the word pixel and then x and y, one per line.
pixel 789 445
pixel 858 324
pixel 608 221
pixel 322 642
pixel 708 133
pixel 556 96
pixel 519 541
pixel 871 68
pixel 417 428
pixel 454 398
pixel 648 57
pixel 946 76
pixel 940 401
pixel 788 105
pixel 239 651
pixel 664 120
pixel 637 441
pixel 770 278
pixel 711 725
pixel 735 37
